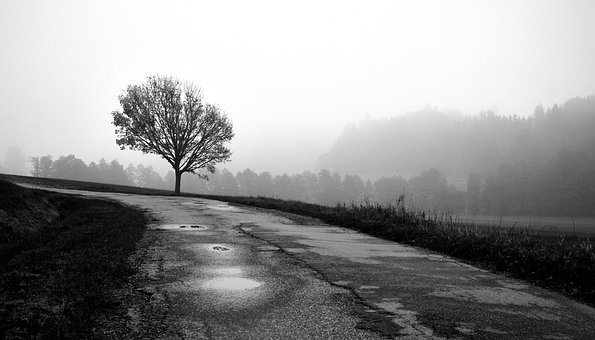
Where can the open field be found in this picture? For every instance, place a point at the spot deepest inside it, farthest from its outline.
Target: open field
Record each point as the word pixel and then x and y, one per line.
pixel 545 225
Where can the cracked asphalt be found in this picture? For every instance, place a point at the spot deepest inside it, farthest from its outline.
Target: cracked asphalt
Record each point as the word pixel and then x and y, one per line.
pixel 209 270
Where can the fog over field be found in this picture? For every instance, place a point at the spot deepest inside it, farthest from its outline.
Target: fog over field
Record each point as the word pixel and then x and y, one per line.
pixel 373 88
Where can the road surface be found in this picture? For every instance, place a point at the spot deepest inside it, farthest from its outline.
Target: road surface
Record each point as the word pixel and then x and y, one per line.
pixel 209 270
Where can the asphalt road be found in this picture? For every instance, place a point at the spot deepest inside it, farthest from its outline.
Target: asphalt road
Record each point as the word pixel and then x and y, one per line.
pixel 208 270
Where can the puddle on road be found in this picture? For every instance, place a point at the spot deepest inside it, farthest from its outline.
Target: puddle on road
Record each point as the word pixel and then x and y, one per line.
pixel 224 207
pixel 180 226
pixel 232 283
pixel 199 227
pixel 229 282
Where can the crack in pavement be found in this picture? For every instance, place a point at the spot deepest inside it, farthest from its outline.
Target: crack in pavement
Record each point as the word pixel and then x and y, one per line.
pixel 430 295
pixel 380 320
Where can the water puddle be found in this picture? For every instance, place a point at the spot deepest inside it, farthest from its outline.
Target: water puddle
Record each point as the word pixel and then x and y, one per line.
pixel 224 207
pixel 178 226
pixel 232 283
pixel 201 227
pixel 229 282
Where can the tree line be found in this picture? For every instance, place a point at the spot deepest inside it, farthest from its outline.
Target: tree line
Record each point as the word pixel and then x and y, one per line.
pixel 429 190
pixel 564 186
pixel 459 145
pixel 543 164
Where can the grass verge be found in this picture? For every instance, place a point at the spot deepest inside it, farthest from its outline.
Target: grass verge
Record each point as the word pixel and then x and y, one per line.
pixel 56 277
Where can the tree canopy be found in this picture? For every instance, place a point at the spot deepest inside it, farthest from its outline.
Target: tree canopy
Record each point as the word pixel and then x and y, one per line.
pixel 166 117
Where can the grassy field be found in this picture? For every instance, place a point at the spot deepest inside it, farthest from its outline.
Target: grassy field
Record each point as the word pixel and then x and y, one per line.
pixel 546 225
pixel 61 257
pixel 559 260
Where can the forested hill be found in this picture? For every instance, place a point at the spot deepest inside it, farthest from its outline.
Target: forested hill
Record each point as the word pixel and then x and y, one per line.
pixel 458 145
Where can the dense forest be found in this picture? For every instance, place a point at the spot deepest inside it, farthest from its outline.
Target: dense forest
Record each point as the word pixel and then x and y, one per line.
pixel 459 145
pixel 540 165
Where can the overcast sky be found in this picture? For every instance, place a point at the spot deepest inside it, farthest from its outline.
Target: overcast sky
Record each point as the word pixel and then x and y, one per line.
pixel 290 75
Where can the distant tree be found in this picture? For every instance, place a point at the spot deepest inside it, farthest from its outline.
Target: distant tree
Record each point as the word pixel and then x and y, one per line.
pixel 45 166
pixel 389 189
pixel 248 182
pixel 353 189
pixel 70 167
pixel 566 183
pixel 131 174
pixel 474 194
pixel 265 184
pixel 195 182
pixel 283 187
pixel 103 170
pixel 213 184
pixel 431 192
pixel 168 118
pixel 34 166
pixel 310 181
pixel 227 184
pixel 148 178
pixel 299 188
pixel 369 194
pixel 94 174
pixel 329 188
pixel 116 173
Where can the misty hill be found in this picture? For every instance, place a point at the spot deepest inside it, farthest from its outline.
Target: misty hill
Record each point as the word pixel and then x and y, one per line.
pixel 458 146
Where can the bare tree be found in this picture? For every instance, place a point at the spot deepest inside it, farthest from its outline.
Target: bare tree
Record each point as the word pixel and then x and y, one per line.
pixel 165 117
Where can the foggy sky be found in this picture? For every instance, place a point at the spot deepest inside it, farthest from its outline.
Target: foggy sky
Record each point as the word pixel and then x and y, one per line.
pixel 289 75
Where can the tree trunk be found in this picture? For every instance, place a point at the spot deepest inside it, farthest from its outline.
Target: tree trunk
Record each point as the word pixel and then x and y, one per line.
pixel 178 181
